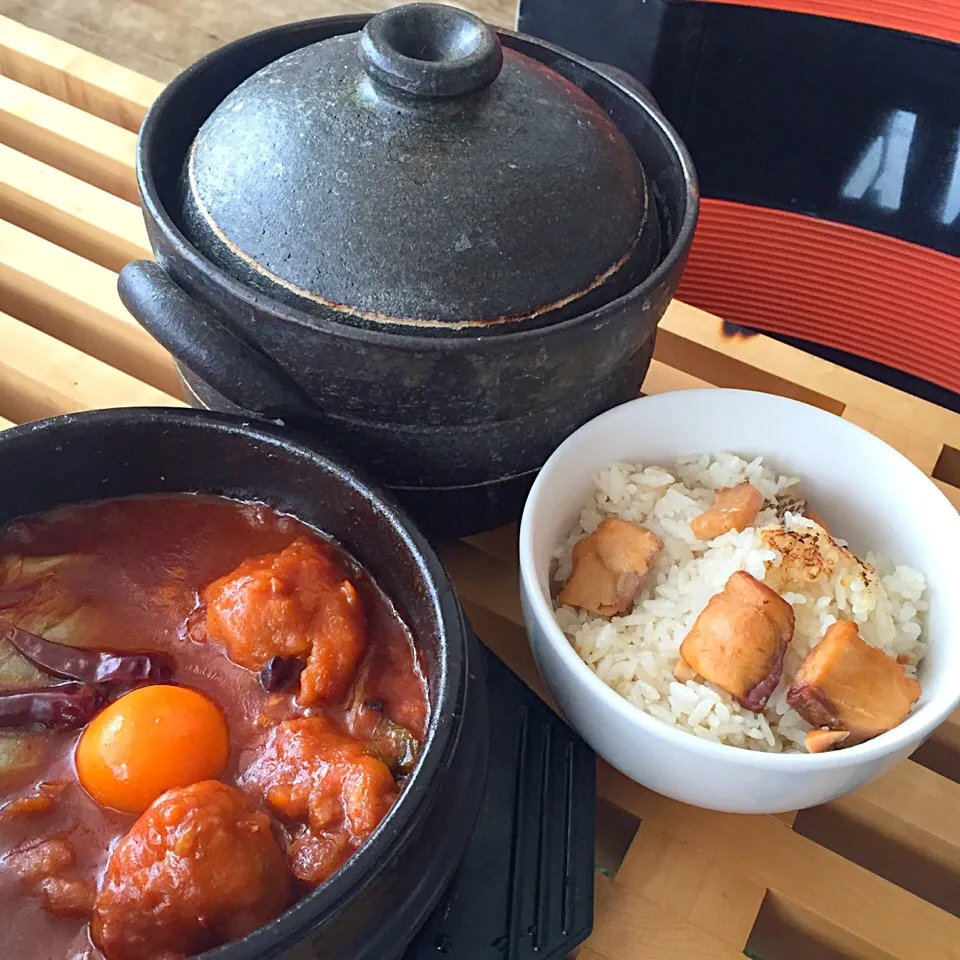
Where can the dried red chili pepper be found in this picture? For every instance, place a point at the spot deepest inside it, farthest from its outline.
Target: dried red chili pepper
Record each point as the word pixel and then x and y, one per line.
pixel 97 667
pixel 64 707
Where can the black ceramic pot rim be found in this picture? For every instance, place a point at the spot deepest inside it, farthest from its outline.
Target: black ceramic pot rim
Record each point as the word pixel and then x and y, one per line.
pixel 254 300
pixel 444 730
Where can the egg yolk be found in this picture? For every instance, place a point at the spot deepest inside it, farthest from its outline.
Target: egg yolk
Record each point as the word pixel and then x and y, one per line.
pixel 149 741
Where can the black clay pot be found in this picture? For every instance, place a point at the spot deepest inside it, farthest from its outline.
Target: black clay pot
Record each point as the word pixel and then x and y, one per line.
pixel 438 247
pixel 371 908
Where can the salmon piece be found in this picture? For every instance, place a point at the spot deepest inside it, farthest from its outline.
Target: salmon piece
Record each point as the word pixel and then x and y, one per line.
pixel 739 640
pixel 845 684
pixel 735 508
pixel 807 555
pixel 609 567
pixel 820 741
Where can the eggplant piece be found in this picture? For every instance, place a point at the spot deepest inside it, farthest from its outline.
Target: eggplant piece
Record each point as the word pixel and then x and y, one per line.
pixel 31 597
pixel 609 567
pixel 18 673
pixel 281 673
pixel 847 685
pixel 17 570
pixel 396 747
pixel 16 595
pixel 739 640
pixel 96 667
pixel 735 508
pixel 19 752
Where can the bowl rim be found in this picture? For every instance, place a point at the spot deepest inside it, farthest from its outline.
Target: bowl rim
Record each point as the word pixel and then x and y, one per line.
pixel 925 720
pixel 445 727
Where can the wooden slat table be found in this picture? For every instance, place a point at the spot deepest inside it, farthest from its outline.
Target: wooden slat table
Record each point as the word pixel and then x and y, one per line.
pixel 875 875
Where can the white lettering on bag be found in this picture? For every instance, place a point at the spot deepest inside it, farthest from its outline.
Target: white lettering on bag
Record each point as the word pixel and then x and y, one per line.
pixel 951 203
pixel 882 168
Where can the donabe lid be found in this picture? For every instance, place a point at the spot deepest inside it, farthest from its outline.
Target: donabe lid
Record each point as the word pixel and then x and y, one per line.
pixel 418 173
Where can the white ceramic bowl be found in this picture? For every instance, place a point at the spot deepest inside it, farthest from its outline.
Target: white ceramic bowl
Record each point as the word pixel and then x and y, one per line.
pixel 866 492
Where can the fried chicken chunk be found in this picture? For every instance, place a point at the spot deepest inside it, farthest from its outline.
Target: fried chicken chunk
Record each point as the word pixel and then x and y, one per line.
pixel 846 685
pixel 735 508
pixel 296 603
pixel 739 640
pixel 609 566
pixel 328 789
pixel 199 868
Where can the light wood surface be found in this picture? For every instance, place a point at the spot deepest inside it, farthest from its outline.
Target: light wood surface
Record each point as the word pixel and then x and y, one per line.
pixel 875 875
pixel 161 37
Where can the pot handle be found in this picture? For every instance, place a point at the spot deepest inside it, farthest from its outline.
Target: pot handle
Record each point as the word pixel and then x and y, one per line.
pixel 200 340
pixel 427 51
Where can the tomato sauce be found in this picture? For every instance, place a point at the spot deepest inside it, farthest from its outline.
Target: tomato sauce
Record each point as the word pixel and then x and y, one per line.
pixel 135 571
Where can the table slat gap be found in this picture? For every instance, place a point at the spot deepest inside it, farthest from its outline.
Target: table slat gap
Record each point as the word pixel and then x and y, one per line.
pixel 480 578
pixel 802 928
pixel 501 543
pixel 692 885
pixel 810 372
pixel 76 301
pixel 73 214
pixel 916 447
pixel 64 137
pixel 84 80
pixel 727 370
pixel 830 887
pixel 941 752
pixel 43 377
pixel 662 378
pixel 636 928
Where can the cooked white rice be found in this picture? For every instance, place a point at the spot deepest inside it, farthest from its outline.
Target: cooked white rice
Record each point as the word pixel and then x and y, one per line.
pixel 635 654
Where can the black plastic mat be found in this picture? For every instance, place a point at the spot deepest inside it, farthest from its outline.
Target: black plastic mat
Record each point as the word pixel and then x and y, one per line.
pixel 525 888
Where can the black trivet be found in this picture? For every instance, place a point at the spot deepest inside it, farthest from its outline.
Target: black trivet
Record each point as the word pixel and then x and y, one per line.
pixel 525 888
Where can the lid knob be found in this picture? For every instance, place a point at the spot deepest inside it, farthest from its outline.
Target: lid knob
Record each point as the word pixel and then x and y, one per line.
pixel 430 50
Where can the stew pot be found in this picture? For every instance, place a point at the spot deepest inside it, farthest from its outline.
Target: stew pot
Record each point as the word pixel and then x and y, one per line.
pixel 370 908
pixel 439 247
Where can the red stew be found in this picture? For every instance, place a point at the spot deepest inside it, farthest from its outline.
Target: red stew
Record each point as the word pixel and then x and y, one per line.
pixel 296 707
